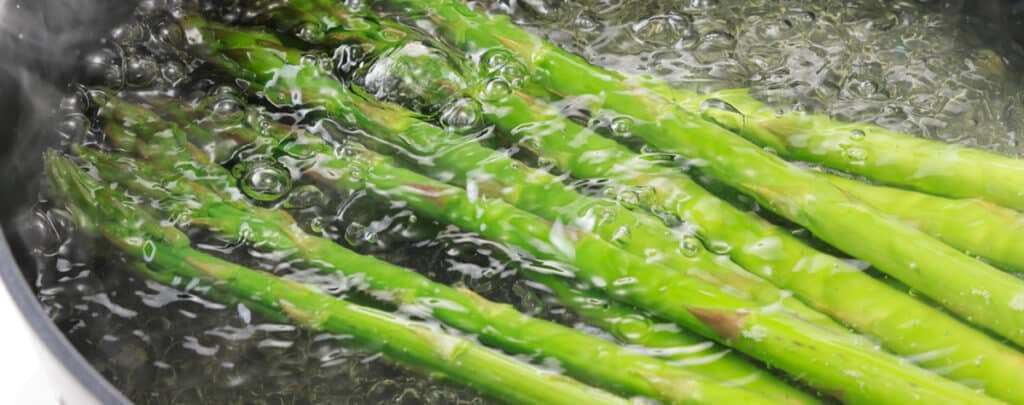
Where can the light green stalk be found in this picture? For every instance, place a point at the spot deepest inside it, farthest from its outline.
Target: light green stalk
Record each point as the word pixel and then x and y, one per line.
pixel 975 226
pixel 869 150
pixel 901 323
pixel 164 250
pixel 627 324
pixel 455 159
pixel 974 290
pixel 833 362
pixel 585 357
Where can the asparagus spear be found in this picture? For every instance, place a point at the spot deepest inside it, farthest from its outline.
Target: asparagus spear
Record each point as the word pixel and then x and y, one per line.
pixel 902 323
pixel 869 150
pixel 831 361
pixel 974 290
pixel 627 324
pixel 163 251
pixel 973 225
pixel 586 357
pixel 446 156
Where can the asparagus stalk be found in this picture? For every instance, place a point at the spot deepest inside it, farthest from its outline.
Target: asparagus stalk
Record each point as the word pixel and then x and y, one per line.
pixel 902 323
pixel 974 290
pixel 589 358
pixel 869 150
pixel 831 361
pixel 627 324
pixel 165 251
pixel 973 225
pixel 447 156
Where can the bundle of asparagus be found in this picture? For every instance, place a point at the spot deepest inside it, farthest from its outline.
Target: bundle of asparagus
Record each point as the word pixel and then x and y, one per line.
pixel 131 127
pixel 725 275
pixel 894 310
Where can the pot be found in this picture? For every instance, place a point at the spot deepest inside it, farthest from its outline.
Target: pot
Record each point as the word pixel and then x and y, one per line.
pixel 41 44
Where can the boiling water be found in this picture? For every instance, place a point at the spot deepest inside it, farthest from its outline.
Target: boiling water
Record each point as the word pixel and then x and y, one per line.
pixel 930 68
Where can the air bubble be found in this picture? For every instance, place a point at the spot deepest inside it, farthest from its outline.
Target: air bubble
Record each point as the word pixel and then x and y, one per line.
pixel 265 181
pixel 104 67
pixel 663 30
pixel 227 110
pixel 723 113
pixel 689 246
pixel 628 198
pixel 311 32
pixel 76 102
pixel 497 90
pixel 170 33
pixel 622 126
pixel 173 72
pixel 357 234
pixel 856 155
pixel 130 34
pixel 74 127
pixel 462 115
pixel 857 134
pixel 305 196
pixel 316 225
pixel 140 71
pixel 720 247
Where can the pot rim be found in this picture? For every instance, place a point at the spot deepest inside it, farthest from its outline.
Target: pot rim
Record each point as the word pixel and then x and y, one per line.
pixel 52 340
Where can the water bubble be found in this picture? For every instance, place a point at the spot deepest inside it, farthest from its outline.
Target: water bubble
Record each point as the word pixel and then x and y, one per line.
pixel 227 110
pixel 173 72
pixel 723 113
pixel 76 102
pixel 74 127
pixel 799 18
pixel 586 21
pixel 170 33
pixel 265 181
pixel 129 34
pixel 305 196
pixel 622 126
pixel 857 134
pixel 104 67
pixel 716 41
pixel 628 198
pixel 663 30
pixel 720 247
pixel 310 31
pixel 496 90
pixel 856 155
pixel 502 64
pixel 689 246
pixel 462 115
pixel 140 71
pixel 316 224
pixel 357 234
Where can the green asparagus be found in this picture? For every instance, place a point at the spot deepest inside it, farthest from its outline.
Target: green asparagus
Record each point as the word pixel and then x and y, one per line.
pixel 869 150
pixel 165 251
pixel 446 156
pixel 976 291
pixel 614 317
pixel 588 358
pixel 973 225
pixel 826 359
pixel 902 323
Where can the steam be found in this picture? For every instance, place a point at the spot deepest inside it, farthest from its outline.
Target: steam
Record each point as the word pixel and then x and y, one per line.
pixel 41 47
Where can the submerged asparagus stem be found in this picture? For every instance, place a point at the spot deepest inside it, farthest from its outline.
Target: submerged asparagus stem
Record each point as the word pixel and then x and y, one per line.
pixel 164 251
pixel 829 360
pixel 909 255
pixel 585 357
pixel 878 153
pixel 900 322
